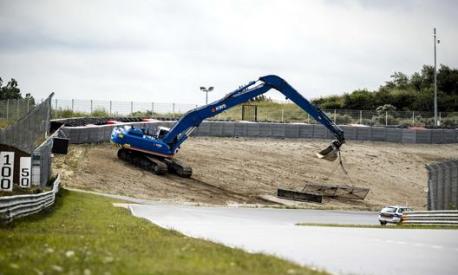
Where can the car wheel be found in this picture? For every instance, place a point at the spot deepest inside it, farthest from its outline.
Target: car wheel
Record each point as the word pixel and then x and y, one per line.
pixel 382 223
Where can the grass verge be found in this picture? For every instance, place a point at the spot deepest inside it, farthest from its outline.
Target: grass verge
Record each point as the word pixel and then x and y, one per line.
pixel 85 234
pixel 401 226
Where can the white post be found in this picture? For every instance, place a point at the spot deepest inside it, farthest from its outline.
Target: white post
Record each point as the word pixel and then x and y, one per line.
pixel 386 118
pixel 131 107
pixel 435 80
pixel 73 105
pixel 413 118
pixel 111 106
pixel 91 106
pixel 7 108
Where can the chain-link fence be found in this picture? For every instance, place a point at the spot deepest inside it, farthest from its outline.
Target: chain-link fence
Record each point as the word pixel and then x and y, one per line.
pixel 286 113
pixel 27 129
pixel 13 109
pixel 78 107
pixel 266 112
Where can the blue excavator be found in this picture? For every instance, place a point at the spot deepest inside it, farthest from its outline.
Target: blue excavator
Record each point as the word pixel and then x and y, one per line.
pixel 155 152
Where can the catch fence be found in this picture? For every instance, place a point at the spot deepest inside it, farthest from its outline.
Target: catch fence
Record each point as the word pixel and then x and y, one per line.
pixel 14 109
pixel 265 112
pixel 443 185
pixel 25 148
pixel 117 108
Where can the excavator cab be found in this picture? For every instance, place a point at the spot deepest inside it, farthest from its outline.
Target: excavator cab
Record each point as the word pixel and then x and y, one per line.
pixel 162 131
pixel 331 152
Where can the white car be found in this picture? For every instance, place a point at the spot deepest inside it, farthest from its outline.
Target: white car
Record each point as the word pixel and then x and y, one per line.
pixel 392 214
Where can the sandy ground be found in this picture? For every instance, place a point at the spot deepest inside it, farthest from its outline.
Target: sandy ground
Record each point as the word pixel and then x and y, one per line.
pixel 239 170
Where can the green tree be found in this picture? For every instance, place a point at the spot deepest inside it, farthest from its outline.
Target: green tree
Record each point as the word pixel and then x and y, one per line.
pixel 359 99
pixel 10 91
pixel 330 102
pixel 405 93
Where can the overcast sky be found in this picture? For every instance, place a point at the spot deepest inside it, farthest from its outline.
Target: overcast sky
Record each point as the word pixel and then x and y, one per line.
pixel 164 51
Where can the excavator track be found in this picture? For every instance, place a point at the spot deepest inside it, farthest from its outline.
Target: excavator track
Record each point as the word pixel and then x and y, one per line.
pixel 179 168
pixel 140 160
pixel 159 166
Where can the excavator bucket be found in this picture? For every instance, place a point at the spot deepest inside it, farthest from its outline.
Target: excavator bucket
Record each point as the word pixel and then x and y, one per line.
pixel 330 153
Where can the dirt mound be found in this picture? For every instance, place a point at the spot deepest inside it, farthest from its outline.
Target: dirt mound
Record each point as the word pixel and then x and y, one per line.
pixel 238 170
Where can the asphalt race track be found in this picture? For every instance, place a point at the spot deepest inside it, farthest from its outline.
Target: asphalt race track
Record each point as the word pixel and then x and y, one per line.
pixel 335 249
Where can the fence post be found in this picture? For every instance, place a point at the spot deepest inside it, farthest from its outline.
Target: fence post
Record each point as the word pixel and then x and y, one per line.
pixel 386 118
pixel 110 106
pixel 282 114
pixel 131 107
pixel 91 106
pixel 173 109
pixel 73 105
pixel 413 118
pixel 360 116
pixel 152 108
pixel 308 118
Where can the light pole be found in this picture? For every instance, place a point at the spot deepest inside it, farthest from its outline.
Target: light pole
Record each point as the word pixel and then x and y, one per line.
pixel 206 91
pixel 436 41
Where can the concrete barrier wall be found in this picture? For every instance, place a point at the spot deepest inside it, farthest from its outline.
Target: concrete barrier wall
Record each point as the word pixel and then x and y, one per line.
pixel 443 185
pixel 98 134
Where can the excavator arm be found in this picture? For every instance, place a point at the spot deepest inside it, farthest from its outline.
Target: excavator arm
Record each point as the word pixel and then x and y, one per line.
pixel 192 119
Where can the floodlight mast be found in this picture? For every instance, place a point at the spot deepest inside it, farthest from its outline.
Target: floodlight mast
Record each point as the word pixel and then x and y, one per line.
pixel 206 91
pixel 436 41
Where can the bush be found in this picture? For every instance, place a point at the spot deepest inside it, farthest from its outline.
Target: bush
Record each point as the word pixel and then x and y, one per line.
pixel 100 112
pixel 344 119
pixel 66 113
pixel 383 119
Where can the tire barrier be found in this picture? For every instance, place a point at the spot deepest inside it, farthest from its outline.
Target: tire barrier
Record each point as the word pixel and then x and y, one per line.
pixel 14 207
pixel 431 217
pixel 443 185
pixel 101 133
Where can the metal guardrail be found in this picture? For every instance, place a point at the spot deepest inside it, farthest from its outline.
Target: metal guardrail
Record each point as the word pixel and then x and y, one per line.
pixel 431 217
pixel 13 207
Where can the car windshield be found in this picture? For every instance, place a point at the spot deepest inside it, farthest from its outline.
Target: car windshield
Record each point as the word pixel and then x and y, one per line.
pixel 389 209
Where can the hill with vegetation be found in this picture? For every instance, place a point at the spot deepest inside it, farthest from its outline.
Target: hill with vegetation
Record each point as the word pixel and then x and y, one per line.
pixel 405 93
